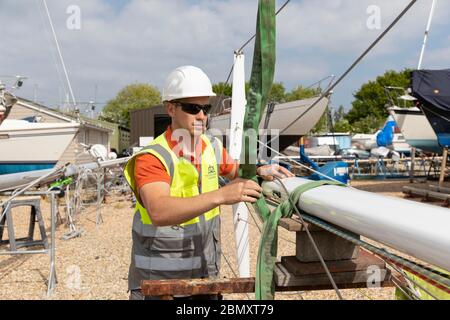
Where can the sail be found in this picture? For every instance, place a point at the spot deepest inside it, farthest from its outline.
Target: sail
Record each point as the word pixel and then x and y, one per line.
pixel 432 89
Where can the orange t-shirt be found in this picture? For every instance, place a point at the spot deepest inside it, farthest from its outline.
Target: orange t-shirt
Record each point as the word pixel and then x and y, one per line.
pixel 148 168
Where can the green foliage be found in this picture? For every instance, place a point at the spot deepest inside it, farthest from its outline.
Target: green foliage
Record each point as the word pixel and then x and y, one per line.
pixel 300 93
pixel 342 126
pixel 339 114
pixel 277 93
pixel 369 124
pixel 132 97
pixel 369 107
pixel 223 88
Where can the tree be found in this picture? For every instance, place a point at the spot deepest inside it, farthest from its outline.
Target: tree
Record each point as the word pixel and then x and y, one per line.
pixel 369 124
pixel 339 114
pixel 369 107
pixel 300 93
pixel 342 126
pixel 223 88
pixel 277 93
pixel 132 97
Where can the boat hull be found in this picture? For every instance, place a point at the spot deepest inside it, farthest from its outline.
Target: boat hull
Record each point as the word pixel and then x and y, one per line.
pixel 416 129
pixel 281 118
pixel 33 146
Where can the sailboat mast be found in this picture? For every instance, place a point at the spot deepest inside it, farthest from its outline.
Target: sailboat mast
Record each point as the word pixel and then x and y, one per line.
pixel 427 32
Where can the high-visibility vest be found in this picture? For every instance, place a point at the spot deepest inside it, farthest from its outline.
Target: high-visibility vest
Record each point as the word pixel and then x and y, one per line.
pixel 192 249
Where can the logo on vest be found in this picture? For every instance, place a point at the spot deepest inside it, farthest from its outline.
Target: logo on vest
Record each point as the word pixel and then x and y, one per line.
pixel 211 170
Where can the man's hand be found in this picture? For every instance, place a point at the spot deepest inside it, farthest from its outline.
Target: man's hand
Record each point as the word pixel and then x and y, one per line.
pixel 269 172
pixel 240 190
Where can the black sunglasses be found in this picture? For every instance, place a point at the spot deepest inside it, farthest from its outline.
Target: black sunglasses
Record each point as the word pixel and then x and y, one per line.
pixel 193 108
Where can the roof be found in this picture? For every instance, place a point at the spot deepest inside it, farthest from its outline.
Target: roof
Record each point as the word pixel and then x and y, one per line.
pixel 61 115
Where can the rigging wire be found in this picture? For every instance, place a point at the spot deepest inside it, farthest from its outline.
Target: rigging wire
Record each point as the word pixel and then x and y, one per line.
pixel 431 276
pixel 232 270
pixel 254 36
pixel 429 273
pixel 251 211
pixel 214 109
pixel 55 59
pixel 60 53
pixel 282 156
pixel 360 58
pixel 402 272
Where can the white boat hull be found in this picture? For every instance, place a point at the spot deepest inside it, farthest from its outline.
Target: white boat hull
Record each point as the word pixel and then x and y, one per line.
pixel 416 129
pixel 281 118
pixel 28 146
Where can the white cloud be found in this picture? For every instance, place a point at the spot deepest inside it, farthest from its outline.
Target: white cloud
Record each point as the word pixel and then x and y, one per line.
pixel 145 39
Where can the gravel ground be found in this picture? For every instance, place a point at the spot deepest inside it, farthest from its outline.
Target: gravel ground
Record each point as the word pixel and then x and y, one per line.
pixel 95 265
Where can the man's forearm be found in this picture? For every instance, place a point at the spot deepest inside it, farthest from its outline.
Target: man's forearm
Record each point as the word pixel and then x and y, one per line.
pixel 169 211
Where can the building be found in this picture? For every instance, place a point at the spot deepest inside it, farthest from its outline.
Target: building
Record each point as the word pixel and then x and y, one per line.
pixel 119 138
pixel 149 122
pixel 88 134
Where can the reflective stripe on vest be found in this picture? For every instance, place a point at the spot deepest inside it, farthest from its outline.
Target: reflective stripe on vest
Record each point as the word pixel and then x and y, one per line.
pixel 190 250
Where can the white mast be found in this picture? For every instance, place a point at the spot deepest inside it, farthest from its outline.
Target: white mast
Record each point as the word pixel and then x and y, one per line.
pixel 240 211
pixel 427 31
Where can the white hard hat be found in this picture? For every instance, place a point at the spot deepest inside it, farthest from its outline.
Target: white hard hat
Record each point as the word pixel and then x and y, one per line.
pixel 187 82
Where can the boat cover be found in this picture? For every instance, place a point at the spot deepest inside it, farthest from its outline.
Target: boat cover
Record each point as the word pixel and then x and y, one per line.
pixel 432 89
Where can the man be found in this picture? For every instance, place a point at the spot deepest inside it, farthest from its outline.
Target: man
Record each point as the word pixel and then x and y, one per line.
pixel 176 227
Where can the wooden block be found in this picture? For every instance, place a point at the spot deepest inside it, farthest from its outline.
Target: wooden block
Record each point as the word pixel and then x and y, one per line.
pixel 331 247
pixel 295 225
pixel 283 278
pixel 364 261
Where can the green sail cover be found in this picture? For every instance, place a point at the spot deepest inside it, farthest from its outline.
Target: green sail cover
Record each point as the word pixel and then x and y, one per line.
pixel 261 81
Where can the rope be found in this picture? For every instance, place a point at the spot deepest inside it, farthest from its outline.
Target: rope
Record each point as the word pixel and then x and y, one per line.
pixel 251 224
pixel 59 53
pixel 234 272
pixel 436 277
pixel 411 280
pixel 260 231
pixel 360 58
pixel 254 36
pixel 301 164
pixel 54 57
pixel 214 109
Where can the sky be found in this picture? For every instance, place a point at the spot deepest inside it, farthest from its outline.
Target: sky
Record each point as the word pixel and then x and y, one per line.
pixel 113 43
